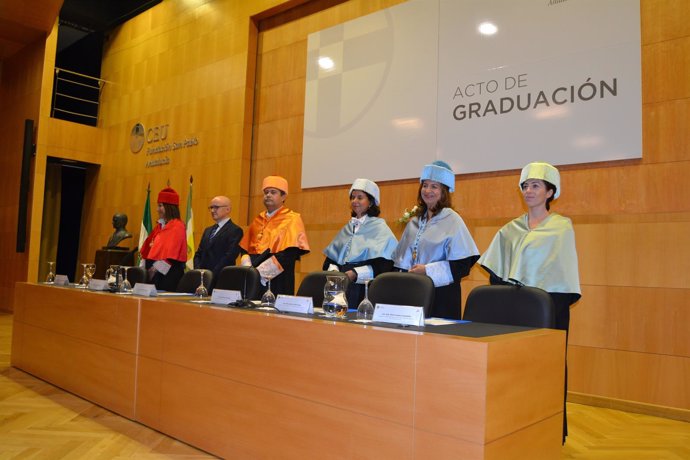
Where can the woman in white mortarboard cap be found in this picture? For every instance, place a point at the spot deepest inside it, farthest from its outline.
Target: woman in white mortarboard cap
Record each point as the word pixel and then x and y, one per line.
pixel 364 247
pixel 436 241
pixel 538 248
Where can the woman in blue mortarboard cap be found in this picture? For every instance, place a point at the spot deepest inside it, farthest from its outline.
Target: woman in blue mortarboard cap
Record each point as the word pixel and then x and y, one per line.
pixel 436 241
pixel 363 248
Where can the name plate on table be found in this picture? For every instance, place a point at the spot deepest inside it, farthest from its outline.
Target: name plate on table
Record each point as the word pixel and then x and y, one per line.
pixel 61 280
pixel 147 290
pixel 294 304
pixel 225 296
pixel 98 285
pixel 399 314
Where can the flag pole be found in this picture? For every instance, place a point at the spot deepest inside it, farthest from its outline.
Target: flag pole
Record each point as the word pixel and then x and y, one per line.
pixel 189 221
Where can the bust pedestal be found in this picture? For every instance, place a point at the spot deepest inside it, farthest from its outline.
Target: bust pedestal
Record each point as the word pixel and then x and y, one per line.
pixel 110 256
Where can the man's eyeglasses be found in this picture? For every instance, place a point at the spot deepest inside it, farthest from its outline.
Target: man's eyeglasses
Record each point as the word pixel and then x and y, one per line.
pixel 215 208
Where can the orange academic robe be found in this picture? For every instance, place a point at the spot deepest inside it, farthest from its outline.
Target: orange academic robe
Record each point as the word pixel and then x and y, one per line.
pixel 282 236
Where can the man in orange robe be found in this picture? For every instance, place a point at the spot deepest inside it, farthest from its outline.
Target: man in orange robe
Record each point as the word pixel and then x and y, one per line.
pixel 275 239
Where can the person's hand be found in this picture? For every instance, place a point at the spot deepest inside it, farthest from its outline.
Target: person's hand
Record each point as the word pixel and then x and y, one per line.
pixel 420 269
pixel 151 273
pixel 352 275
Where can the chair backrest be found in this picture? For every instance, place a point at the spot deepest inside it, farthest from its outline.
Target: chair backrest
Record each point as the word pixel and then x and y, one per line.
pixel 191 280
pixel 136 275
pixel 402 288
pixel 247 280
pixel 513 305
pixel 312 285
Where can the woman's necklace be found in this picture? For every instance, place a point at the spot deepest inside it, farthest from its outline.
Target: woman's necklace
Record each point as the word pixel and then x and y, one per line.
pixel 422 226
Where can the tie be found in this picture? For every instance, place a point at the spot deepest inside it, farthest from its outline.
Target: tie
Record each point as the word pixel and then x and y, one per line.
pixel 214 231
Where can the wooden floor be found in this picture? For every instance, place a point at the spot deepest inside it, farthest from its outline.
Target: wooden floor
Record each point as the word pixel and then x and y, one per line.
pixel 40 421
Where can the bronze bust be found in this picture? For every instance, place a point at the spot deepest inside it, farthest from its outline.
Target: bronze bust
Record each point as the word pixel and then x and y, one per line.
pixel 120 233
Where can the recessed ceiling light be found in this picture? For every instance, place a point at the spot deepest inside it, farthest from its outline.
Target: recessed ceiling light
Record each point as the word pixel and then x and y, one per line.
pixel 487 28
pixel 326 63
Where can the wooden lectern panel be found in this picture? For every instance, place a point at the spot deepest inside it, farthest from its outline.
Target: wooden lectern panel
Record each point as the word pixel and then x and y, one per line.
pixel 108 319
pixel 535 442
pixel 83 342
pixel 247 384
pixel 231 381
pixel 365 370
pixel 100 374
pixel 241 421
pixel 484 389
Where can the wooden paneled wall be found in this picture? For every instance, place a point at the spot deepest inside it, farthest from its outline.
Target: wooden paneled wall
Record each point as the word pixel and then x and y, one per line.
pixel 192 67
pixel 183 68
pixel 20 94
pixel 25 92
pixel 54 138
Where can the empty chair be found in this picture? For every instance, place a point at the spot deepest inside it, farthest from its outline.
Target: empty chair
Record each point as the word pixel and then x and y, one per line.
pixel 136 275
pixel 312 285
pixel 244 279
pixel 402 288
pixel 192 279
pixel 512 305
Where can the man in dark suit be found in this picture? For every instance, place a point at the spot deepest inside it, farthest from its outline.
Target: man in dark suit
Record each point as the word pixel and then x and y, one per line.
pixel 219 246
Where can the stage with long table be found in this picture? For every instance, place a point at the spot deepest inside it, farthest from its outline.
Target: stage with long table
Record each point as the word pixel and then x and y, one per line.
pixel 252 384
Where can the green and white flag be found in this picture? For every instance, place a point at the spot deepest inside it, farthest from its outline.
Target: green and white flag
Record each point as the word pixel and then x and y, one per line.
pixel 146 226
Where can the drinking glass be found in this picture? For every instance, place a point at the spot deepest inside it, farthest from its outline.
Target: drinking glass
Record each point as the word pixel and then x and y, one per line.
pixel 50 279
pixel 365 309
pixel 84 281
pixel 201 291
pixel 334 299
pixel 126 286
pixel 90 270
pixel 268 299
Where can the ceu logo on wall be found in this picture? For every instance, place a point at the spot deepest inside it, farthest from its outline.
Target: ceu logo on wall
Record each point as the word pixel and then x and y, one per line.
pixel 346 60
pixel 485 86
pixel 156 137
pixel 137 138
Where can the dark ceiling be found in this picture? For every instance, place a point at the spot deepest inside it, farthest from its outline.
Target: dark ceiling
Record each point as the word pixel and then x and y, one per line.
pixel 24 22
pixel 101 15
pixel 79 18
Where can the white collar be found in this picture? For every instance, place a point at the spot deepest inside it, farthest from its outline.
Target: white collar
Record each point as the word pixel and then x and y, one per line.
pixel 222 222
pixel 271 214
pixel 358 221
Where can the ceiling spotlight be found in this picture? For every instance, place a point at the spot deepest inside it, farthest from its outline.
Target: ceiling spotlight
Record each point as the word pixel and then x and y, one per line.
pixel 487 28
pixel 326 63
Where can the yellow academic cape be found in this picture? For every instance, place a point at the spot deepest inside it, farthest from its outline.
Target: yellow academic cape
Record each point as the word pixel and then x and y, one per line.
pixel 543 257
